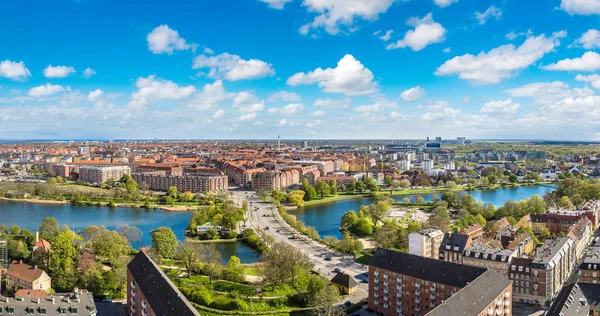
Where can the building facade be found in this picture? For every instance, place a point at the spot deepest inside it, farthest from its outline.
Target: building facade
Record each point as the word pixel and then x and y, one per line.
pixel 192 183
pixel 425 243
pixel 101 174
pixel 20 275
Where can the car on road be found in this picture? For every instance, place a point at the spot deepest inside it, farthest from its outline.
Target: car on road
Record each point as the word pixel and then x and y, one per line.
pixel 337 270
pixel 347 303
pixel 267 228
pixel 277 230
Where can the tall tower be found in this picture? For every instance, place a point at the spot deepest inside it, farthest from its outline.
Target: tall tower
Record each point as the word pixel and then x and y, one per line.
pixel 278 143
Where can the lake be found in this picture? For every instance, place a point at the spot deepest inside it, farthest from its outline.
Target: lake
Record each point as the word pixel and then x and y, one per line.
pixel 78 217
pixel 326 217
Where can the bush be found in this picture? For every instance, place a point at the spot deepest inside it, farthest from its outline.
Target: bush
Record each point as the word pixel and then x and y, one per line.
pixel 199 295
pixel 224 303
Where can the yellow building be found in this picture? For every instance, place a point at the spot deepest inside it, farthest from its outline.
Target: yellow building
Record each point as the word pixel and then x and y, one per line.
pixel 344 283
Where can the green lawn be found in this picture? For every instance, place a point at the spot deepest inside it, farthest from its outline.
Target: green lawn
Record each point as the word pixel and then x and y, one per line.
pixel 244 290
pixel 253 271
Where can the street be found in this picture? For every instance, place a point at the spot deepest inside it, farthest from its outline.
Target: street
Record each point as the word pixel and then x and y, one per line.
pixel 261 215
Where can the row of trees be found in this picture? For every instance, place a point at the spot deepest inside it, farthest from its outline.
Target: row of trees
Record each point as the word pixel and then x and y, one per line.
pixel 224 214
pixel 363 223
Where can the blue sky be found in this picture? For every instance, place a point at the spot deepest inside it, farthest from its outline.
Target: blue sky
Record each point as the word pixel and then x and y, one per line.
pixel 300 68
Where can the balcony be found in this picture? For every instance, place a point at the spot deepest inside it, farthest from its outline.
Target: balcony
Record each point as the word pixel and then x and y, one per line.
pixel 432 297
pixel 499 302
pixel 385 291
pixel 498 311
pixel 432 304
pixel 385 284
pixel 399 302
pixel 132 284
pixel 432 288
pixel 385 298
pixel 376 295
pixel 507 294
pixel 417 293
pixel 376 288
pixel 385 276
pixel 418 309
pixel 507 303
pixel 490 311
pixel 376 302
pixel 376 273
pixel 399 287
pixel 418 285
pixel 399 280
pixel 376 280
pixel 399 311
pixel 385 305
pixel 417 300
pixel 507 311
pixel 144 304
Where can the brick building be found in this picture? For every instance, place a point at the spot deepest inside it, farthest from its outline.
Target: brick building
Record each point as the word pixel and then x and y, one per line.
pixel 452 247
pixel 192 183
pixel 101 174
pixel 151 292
pixel 425 243
pixel 404 284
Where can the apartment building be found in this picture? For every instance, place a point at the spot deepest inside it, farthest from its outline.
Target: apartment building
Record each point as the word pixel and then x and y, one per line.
pixel 555 222
pixel 39 302
pixel 538 280
pixel 405 284
pixel 577 299
pixel 101 174
pixel 452 247
pixel 487 257
pixel 192 183
pixel 425 243
pixel 20 275
pixel 275 180
pixel 588 270
pixel 589 209
pixel 427 164
pixel 474 231
pixel 151 292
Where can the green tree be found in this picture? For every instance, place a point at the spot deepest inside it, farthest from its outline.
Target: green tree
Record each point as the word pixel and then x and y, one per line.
pixel 211 259
pixel 451 198
pixel 15 230
pixel 513 178
pixel 188 254
pixel 387 180
pixel 187 196
pixel 49 229
pixel 386 236
pixel 164 242
pixel 62 260
pixel 322 188
pixel 404 183
pixel 172 192
pixel 451 184
pixel 110 246
pixel 131 233
pixel 419 200
pixel 234 271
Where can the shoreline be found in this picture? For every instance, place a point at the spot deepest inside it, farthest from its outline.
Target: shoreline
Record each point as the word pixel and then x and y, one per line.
pixel 165 208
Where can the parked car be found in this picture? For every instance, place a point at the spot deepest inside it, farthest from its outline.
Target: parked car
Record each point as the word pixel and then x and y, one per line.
pixel 267 228
pixel 337 270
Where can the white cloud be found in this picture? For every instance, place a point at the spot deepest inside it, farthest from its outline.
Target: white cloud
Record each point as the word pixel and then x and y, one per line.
pixel 444 3
pixel 246 101
pixel 333 104
pixel 283 96
pixel 290 109
pixel 58 71
pixel 590 61
pixel 350 77
pixel 501 107
pixel 589 39
pixel 412 94
pixel 466 99
pixel 154 89
pixel 276 4
pixel 208 51
pixel 88 73
pixel 512 35
pixel 285 122
pixel 425 32
pixel 385 37
pixel 447 50
pixel 582 7
pixel 233 67
pixel 546 93
pixel 95 95
pixel 210 96
pixel 219 114
pixel 14 70
pixel 248 117
pixel 334 15
pixel 440 114
pixel 593 79
pixel 490 12
pixel 163 39
pixel 499 63
pixel 318 113
pixel 437 104
pixel 369 108
pixel 45 90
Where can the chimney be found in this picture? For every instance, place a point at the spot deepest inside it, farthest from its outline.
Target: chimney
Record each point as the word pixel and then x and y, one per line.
pixel 35 267
pixel 37 236
pixel 38 301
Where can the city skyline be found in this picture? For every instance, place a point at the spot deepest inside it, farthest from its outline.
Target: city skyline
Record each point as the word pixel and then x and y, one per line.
pixel 303 69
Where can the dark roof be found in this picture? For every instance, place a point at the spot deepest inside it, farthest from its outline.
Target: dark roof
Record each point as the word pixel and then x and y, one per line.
pixel 475 297
pixel 345 280
pixel 438 271
pixel 575 299
pixel 454 240
pixel 162 295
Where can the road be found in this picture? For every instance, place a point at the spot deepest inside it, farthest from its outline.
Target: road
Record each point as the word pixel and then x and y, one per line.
pixel 262 215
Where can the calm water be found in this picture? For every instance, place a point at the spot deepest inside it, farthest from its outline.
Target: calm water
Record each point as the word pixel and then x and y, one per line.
pixel 30 215
pixel 326 217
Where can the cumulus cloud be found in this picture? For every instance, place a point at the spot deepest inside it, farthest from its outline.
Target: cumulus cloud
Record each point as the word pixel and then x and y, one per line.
pixel 501 107
pixel 290 109
pixel 154 89
pixel 210 96
pixel 412 94
pixel 444 3
pixel 88 73
pixel 350 77
pixel 58 71
pixel 590 61
pixel 276 4
pixel 581 7
pixel 546 93
pixel 437 104
pixel 283 96
pixel 490 12
pixel 246 101
pixel 16 71
pixel 163 40
pixel 440 114
pixel 500 63
pixel 336 15
pixel 593 79
pixel 425 32
pixel 318 113
pixel 233 67
pixel 333 104
pixel 589 39
pixel 248 117
pixel 219 114
pixel 369 108
pixel 386 36
pixel 45 90
pixel 95 95
pixel 285 122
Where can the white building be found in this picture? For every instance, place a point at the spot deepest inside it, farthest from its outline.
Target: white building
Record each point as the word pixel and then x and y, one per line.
pixel 427 164
pixel 461 140
pixel 425 243
pixel 450 166
pixel 404 165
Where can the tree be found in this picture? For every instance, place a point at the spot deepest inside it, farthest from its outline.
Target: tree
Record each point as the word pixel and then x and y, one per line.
pixel 360 186
pixel 377 210
pixel 363 227
pixel 172 192
pixel 109 246
pixel 451 184
pixel 282 262
pixel 131 233
pixel 324 300
pixel 187 196
pixel 451 198
pixel 164 242
pixel 512 178
pixel 211 258
pixel 440 218
pixel 17 249
pixel 309 191
pixel 565 203
pixel 387 180
pixel 296 198
pixel 63 256
pixel 90 233
pixel 348 219
pixel 49 229
pixel 276 195
pixel 395 184
pixel 15 230
pixel 263 194
pixel 485 182
pixel 234 271
pixel 440 183
pixel 322 188
pixel 405 184
pixel 188 253
pixel 386 236
pixel 493 179
pixel 419 200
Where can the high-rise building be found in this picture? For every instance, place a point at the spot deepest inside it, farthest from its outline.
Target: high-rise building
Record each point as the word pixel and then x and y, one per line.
pixel 3 254
pixel 461 140
pixel 425 243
